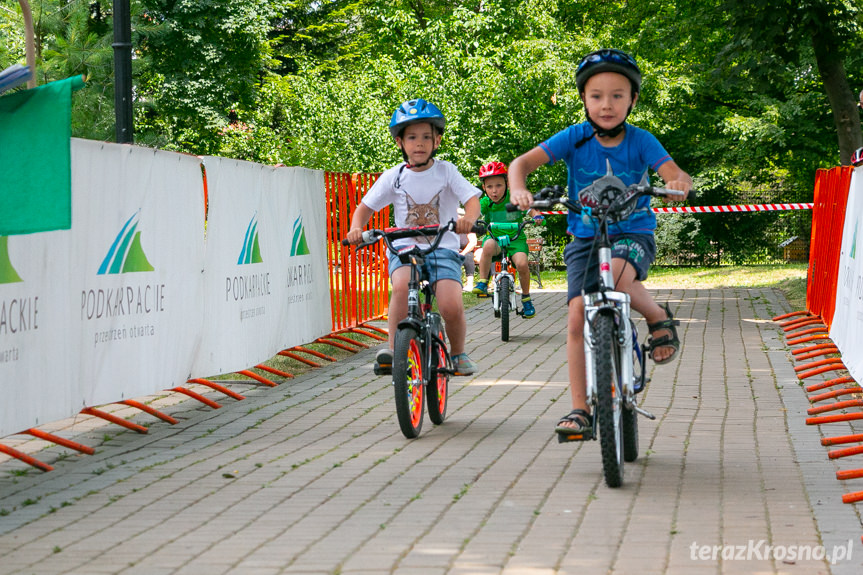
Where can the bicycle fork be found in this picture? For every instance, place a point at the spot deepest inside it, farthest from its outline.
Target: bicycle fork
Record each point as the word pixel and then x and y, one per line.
pixel 626 340
pixel 513 296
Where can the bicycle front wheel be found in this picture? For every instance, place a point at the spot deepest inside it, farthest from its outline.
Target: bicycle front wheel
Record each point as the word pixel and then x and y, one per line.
pixel 408 381
pixel 438 387
pixel 609 399
pixel 505 288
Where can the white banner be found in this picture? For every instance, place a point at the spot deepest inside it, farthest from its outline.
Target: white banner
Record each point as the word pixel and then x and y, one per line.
pixel 122 305
pixel 847 328
pixel 37 382
pixel 266 285
pixel 136 291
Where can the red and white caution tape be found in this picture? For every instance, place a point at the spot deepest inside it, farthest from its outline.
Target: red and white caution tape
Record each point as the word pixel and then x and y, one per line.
pixel 717 209
pixel 738 208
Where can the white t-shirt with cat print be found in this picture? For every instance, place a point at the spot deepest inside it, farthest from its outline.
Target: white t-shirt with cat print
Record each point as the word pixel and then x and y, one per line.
pixel 422 198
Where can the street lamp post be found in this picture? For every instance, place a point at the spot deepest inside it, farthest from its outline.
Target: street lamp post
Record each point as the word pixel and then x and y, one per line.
pixel 123 72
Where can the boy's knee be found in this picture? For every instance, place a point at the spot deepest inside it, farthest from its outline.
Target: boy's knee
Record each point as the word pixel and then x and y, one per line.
pixel 399 290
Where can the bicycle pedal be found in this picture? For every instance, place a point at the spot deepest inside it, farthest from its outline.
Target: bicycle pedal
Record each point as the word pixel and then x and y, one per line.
pixel 383 369
pixel 567 437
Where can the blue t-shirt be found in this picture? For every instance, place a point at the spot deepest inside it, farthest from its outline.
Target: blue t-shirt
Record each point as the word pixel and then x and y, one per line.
pixel 630 160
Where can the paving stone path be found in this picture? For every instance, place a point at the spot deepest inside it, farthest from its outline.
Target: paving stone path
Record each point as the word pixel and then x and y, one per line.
pixel 314 477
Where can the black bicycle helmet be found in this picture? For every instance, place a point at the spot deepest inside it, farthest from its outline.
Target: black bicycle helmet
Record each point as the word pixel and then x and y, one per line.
pixel 608 60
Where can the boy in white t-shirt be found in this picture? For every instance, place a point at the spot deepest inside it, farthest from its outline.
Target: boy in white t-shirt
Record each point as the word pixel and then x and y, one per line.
pixel 423 191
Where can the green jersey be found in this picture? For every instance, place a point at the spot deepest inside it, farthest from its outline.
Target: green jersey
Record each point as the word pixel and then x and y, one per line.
pixel 495 212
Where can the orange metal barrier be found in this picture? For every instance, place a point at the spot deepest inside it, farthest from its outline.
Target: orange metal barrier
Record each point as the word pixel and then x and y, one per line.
pixel 828 217
pixel 359 280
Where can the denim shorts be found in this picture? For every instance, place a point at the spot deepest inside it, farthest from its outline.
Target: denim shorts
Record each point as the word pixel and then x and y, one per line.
pixel 441 264
pixel 582 261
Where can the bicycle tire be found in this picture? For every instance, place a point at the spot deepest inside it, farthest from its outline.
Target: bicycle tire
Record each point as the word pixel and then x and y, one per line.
pixel 609 401
pixel 408 381
pixel 630 417
pixel 438 386
pixel 629 421
pixel 504 308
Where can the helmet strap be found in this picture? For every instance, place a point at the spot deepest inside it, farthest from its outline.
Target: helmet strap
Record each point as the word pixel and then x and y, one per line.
pixel 420 165
pixel 598 131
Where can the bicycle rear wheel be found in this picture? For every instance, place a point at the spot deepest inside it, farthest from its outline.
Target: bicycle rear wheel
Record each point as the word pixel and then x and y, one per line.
pixel 609 399
pixel 438 386
pixel 408 381
pixel 629 420
pixel 505 288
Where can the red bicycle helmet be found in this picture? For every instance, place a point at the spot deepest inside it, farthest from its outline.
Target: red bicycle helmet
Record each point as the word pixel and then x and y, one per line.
pixel 492 169
pixel 857 157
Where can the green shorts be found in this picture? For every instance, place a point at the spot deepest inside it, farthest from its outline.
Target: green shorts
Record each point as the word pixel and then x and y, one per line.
pixel 518 245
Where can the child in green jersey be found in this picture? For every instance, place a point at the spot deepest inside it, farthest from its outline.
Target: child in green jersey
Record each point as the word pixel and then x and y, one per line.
pixel 493 208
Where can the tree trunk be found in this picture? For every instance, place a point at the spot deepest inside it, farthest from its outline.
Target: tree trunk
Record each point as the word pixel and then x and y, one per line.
pixel 842 99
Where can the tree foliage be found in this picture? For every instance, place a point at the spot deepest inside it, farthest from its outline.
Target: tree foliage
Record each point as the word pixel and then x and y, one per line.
pixel 749 96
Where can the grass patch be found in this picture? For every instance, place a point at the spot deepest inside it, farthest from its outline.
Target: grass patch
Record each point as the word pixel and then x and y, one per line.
pixel 789 278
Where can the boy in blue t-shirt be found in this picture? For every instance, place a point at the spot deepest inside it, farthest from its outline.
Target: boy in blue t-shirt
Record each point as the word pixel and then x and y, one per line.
pixel 609 82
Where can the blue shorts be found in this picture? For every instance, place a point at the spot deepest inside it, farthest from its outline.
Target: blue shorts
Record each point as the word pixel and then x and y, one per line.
pixel 441 264
pixel 582 262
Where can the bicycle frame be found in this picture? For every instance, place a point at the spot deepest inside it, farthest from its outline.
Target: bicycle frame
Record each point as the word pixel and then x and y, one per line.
pixel 504 271
pixel 422 364
pixel 611 349
pixel 504 233
pixel 609 301
pixel 420 316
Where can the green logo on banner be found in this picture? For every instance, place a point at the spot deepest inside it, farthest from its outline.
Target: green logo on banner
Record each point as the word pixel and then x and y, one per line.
pixel 8 275
pixel 854 241
pixel 126 254
pixel 251 252
pixel 299 246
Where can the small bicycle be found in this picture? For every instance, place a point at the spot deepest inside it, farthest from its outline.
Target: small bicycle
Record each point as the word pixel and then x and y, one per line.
pixel 422 365
pixel 615 363
pixel 504 297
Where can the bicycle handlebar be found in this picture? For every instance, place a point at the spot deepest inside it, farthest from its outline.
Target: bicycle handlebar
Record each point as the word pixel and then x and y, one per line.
pixel 549 196
pixel 512 229
pixel 391 234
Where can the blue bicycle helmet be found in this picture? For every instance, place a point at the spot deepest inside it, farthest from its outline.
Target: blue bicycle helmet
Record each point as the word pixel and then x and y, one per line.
pixel 608 60
pixel 414 111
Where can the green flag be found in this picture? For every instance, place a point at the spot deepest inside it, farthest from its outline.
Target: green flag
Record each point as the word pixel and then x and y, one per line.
pixel 35 165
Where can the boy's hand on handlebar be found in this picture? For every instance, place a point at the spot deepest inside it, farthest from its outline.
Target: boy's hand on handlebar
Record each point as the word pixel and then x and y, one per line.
pixel 355 236
pixel 464 225
pixel 679 185
pixel 521 198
